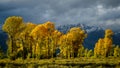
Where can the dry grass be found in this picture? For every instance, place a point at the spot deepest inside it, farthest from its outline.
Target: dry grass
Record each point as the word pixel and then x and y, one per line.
pixel 62 63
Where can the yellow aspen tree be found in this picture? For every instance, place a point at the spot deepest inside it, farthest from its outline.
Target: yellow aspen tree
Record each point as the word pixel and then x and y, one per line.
pixel 33 51
pixel 38 33
pixel 55 37
pixel 50 28
pixel 81 51
pixel 70 50
pixel 23 36
pixel 85 52
pixel 72 40
pixel 103 46
pixel 44 32
pixel 63 46
pixel 116 51
pixel 90 53
pixel 99 50
pixel 12 26
pixel 95 50
pixel 108 41
pixel 37 51
pixel 100 47
pixel 78 37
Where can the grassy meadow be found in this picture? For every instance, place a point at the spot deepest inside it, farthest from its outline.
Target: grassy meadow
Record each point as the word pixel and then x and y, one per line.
pixel 62 63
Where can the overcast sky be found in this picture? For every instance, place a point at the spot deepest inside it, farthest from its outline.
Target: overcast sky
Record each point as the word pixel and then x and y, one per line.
pixel 92 12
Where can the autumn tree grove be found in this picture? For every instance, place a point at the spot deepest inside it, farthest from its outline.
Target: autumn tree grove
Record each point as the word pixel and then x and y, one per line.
pixel 29 40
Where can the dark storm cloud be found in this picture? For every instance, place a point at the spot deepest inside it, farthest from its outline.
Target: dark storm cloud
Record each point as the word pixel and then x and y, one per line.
pixel 110 3
pixel 93 12
pixel 110 14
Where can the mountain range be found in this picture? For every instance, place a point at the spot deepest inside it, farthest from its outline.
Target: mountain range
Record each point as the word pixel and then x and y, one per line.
pixel 93 34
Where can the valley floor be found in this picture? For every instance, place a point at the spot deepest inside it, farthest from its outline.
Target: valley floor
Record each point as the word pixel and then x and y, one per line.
pixel 62 63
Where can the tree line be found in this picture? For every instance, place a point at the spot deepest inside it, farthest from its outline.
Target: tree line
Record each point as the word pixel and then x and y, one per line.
pixel 28 40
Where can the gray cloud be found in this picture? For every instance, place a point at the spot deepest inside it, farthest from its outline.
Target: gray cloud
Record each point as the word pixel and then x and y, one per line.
pixel 92 12
pixel 111 13
pixel 110 3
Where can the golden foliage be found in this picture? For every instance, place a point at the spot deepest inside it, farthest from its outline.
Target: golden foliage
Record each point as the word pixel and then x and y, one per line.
pixel 42 40
pixel 12 24
pixel 116 51
pixel 49 26
pixel 70 42
pixel 103 46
